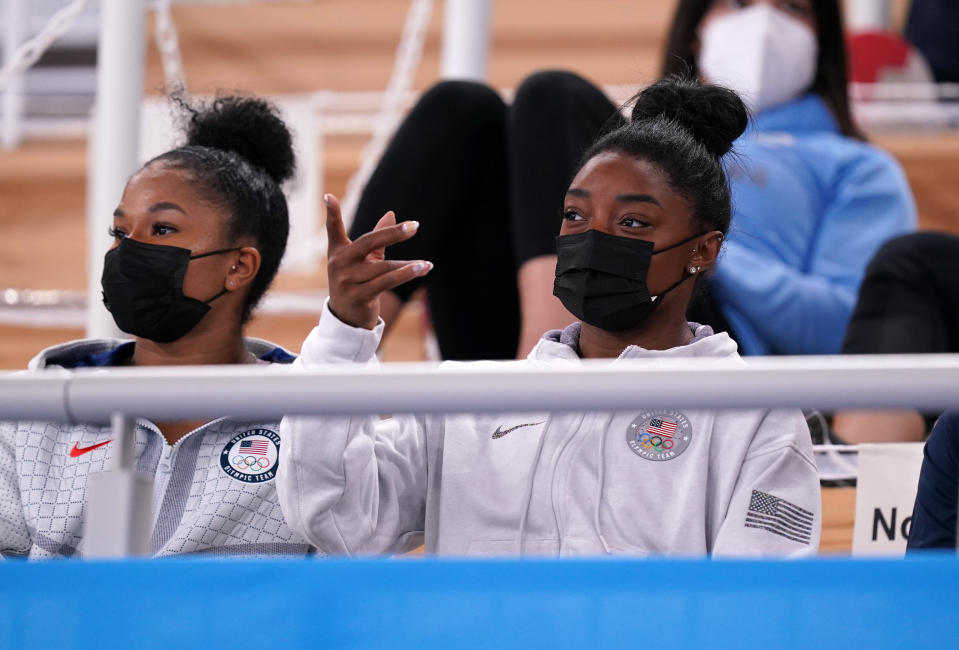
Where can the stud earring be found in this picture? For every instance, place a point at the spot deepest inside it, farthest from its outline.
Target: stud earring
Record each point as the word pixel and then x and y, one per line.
pixel 693 269
pixel 233 268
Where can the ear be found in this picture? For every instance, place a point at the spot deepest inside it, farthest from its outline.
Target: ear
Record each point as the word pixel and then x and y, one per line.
pixel 706 251
pixel 243 270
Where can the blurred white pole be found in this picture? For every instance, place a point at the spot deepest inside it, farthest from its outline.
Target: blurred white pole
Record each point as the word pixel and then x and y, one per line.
pixel 115 137
pixel 868 15
pixel 119 501
pixel 466 36
pixel 13 17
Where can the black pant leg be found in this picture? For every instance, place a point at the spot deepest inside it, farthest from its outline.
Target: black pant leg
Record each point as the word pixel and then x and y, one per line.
pixel 554 118
pixel 446 168
pixel 426 168
pixel 909 298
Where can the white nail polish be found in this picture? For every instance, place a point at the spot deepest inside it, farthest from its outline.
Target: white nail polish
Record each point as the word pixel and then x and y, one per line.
pixel 411 226
pixel 419 267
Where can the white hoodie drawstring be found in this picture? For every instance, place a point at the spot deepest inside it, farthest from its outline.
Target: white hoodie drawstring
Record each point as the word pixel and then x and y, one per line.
pixel 552 479
pixel 529 486
pixel 600 481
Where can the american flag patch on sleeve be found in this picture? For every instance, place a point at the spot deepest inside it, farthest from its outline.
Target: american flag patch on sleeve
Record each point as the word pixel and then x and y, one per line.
pixel 780 517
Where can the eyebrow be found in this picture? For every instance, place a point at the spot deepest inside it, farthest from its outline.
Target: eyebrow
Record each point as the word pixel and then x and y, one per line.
pixel 165 205
pixel 622 198
pixel 638 198
pixel 156 207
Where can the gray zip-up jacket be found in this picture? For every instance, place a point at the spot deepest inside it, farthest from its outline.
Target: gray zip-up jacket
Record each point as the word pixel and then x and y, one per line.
pixel 207 496
pixel 651 481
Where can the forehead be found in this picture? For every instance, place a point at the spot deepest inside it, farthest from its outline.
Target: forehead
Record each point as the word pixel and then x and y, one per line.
pixel 617 173
pixel 159 182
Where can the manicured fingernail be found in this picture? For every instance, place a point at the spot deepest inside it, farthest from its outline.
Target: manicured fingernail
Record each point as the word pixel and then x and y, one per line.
pixel 422 267
pixel 410 227
pixel 326 199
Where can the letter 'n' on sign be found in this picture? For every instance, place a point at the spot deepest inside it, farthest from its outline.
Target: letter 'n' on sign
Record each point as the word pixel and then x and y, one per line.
pixel 885 493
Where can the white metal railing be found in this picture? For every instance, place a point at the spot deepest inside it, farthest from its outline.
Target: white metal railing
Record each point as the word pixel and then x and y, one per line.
pixel 119 500
pixel 925 382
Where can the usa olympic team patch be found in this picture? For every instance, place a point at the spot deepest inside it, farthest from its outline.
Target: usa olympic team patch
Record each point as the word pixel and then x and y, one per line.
pixel 659 434
pixel 251 456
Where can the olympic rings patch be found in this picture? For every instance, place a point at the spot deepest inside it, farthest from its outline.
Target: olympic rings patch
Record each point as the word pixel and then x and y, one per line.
pixel 660 434
pixel 251 456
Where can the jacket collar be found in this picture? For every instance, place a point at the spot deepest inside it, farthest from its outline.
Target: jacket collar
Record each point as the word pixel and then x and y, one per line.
pixel 90 353
pixel 564 344
pixel 804 114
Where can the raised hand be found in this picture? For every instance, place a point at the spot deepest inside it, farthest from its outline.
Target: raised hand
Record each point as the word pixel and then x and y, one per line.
pixel 359 271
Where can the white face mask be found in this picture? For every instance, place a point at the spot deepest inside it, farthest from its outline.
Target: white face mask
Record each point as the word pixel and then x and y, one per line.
pixel 762 53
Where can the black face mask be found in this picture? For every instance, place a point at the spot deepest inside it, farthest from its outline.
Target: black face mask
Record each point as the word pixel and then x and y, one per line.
pixel 143 289
pixel 601 279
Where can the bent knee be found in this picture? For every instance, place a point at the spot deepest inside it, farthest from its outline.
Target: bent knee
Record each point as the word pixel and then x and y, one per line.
pixel 468 99
pixel 912 255
pixel 549 86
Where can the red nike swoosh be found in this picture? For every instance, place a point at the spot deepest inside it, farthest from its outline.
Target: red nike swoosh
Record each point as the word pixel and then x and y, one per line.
pixel 79 451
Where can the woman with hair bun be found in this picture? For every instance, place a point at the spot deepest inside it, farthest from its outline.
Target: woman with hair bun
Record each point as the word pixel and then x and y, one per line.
pixel 198 237
pixel 644 217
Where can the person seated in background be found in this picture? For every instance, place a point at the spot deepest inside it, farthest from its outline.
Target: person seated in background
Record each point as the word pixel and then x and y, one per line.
pixel 931 26
pixel 813 201
pixel 934 515
pixel 643 219
pixel 199 233
pixel 908 304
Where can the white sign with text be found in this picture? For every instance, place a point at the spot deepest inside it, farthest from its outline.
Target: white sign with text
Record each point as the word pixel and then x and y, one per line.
pixel 885 494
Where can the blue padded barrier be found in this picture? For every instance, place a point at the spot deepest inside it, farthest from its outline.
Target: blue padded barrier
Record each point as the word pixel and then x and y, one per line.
pixel 400 603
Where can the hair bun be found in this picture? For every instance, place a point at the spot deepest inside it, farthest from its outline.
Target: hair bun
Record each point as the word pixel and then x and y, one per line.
pixel 248 126
pixel 714 115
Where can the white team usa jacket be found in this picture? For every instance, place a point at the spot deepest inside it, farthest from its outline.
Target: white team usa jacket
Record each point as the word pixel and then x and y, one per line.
pixel 214 490
pixel 652 481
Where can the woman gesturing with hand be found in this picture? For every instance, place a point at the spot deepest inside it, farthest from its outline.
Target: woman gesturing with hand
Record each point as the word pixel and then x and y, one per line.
pixel 359 271
pixel 643 218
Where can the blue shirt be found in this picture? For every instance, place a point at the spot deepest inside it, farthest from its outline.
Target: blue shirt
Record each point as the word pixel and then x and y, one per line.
pixel 810 209
pixel 934 515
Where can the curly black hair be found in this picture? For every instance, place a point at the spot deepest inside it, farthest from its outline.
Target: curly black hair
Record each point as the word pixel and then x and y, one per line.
pixel 684 128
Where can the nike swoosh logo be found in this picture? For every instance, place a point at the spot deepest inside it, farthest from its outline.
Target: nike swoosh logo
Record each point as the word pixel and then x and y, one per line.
pixel 79 451
pixel 500 431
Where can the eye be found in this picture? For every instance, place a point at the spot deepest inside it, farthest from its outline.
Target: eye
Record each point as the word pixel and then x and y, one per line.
pixel 573 215
pixel 633 222
pixel 116 233
pixel 161 229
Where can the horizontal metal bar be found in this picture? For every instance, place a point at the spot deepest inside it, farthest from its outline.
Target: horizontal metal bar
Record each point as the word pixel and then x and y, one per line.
pixel 34 396
pixel 926 382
